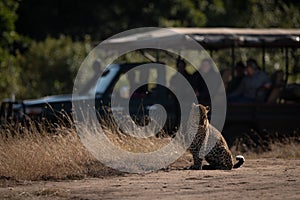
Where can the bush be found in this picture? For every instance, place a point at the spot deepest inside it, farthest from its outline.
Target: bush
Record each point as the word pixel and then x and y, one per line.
pixel 49 67
pixel 10 74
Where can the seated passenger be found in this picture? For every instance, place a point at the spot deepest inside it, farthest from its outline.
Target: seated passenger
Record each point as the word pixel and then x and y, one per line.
pixel 201 87
pixel 237 79
pixel 181 69
pixel 175 84
pixel 253 87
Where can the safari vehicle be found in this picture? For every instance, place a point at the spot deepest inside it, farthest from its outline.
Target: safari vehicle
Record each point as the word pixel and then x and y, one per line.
pixel 58 108
pixel 280 112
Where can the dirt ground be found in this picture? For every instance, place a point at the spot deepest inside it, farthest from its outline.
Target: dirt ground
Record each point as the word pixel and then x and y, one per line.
pixel 257 179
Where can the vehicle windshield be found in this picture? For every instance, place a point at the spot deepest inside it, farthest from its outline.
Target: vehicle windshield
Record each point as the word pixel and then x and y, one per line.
pixel 106 79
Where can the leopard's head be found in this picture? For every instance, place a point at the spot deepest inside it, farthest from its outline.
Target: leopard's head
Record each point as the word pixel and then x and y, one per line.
pixel 200 111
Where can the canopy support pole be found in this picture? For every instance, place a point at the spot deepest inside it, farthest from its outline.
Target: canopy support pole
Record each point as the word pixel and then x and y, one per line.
pixel 286 64
pixel 263 60
pixel 211 52
pixel 148 55
pixel 232 60
pixel 157 55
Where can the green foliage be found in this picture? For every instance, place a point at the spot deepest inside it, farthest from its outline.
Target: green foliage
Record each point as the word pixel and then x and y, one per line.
pixel 9 69
pixel 255 14
pixel 8 16
pixel 271 13
pixel 42 65
pixel 102 19
pixel 49 67
pixel 186 13
pixel 10 74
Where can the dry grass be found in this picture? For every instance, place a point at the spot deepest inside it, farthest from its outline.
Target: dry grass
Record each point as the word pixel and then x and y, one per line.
pixel 34 153
pixel 277 150
pixel 268 145
pixel 31 154
pixel 133 141
pixel 135 144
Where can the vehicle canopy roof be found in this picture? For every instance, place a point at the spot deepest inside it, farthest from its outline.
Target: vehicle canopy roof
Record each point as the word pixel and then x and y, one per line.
pixel 219 38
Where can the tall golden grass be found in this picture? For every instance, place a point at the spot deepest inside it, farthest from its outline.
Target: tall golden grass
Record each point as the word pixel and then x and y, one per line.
pixel 289 150
pixel 33 152
pixel 266 144
pixel 28 153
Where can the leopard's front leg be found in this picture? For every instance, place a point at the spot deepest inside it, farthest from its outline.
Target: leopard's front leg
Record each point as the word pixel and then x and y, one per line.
pixel 197 161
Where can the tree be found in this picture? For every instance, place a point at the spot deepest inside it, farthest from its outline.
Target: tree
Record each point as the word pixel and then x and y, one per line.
pixel 35 64
pixel 274 13
pixel 256 14
pixel 9 68
pixel 102 19
pixel 50 66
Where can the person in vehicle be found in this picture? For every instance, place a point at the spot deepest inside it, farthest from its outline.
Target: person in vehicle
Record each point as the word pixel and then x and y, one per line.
pixel 181 69
pixel 138 92
pixel 253 87
pixel 177 89
pixel 96 73
pixel 200 86
pixel 176 80
pixel 237 79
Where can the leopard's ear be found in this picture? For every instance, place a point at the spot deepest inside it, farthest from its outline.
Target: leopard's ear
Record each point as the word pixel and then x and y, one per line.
pixel 194 104
pixel 207 109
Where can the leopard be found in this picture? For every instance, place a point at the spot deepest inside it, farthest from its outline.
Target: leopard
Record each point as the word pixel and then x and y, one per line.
pixel 208 143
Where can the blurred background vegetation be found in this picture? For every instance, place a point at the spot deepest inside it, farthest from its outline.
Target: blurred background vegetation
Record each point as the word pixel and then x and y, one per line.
pixel 42 43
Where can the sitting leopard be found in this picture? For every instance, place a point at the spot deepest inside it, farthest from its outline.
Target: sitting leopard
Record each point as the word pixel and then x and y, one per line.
pixel 208 143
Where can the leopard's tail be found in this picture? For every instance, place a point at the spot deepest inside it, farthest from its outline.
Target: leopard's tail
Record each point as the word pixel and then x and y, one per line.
pixel 240 162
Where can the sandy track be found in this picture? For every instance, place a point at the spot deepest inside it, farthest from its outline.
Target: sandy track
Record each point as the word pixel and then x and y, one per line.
pixel 260 178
